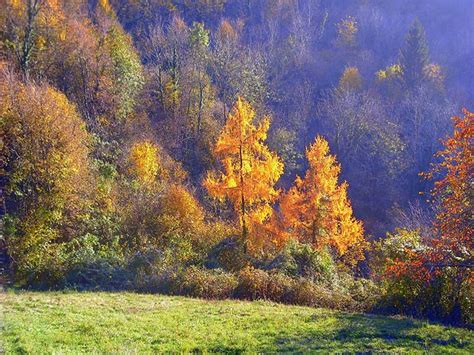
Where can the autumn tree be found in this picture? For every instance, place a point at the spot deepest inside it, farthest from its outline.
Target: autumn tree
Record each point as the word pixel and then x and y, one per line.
pixel 156 209
pixel 430 273
pixel 123 77
pixel 22 20
pixel 455 193
pixel 237 71
pixel 350 79
pixel 144 163
pixel 146 173
pixel 46 167
pixel 200 126
pixel 198 43
pixel 317 210
pixel 249 169
pixel 126 73
pixel 28 28
pixel 347 30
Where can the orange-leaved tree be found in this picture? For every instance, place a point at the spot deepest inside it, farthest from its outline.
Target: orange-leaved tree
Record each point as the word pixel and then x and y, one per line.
pixel 316 209
pixel 455 193
pixel 437 270
pixel 249 169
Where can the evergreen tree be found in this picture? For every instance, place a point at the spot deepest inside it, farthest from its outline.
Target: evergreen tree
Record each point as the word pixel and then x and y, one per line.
pixel 414 56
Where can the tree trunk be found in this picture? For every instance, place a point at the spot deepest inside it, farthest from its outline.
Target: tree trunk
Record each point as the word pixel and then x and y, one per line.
pixel 242 195
pixel 313 233
pixel 28 43
pixel 201 106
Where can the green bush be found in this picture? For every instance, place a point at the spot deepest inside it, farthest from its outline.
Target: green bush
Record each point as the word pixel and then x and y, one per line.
pixel 154 271
pixel 82 263
pixel 364 292
pixel 447 295
pixel 308 294
pixel 301 260
pixel 99 274
pixel 91 264
pixel 228 254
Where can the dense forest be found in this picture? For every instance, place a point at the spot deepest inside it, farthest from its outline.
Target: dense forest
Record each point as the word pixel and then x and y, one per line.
pixel 305 151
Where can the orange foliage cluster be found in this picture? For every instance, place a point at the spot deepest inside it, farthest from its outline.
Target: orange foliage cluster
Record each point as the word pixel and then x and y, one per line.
pixel 316 210
pixel 453 245
pixel 414 269
pixel 455 189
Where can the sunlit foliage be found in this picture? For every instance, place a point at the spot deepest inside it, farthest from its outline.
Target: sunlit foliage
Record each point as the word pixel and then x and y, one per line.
pixel 144 162
pixel 124 163
pixel 47 169
pixel 455 191
pixel 316 210
pixel 250 169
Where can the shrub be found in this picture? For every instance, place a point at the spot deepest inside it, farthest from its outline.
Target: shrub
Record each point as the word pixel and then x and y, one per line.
pixel 259 284
pixel 308 294
pixel 205 283
pixel 228 255
pixel 444 294
pixel 365 293
pixel 156 269
pixel 94 265
pixel 98 274
pixel 451 293
pixel 301 260
pixel 278 287
pixel 447 297
pixel 82 263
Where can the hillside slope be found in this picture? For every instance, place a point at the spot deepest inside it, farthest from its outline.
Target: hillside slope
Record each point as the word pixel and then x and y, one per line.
pixel 127 322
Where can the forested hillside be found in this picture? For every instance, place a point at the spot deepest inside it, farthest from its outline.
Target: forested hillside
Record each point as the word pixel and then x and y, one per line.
pixel 305 151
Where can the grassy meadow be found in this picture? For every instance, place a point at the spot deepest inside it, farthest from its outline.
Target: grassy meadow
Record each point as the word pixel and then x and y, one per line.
pixel 53 322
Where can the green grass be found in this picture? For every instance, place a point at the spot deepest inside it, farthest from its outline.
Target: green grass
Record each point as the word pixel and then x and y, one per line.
pixel 127 322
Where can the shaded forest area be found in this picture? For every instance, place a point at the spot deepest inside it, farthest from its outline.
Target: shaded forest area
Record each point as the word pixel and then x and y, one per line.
pixel 296 150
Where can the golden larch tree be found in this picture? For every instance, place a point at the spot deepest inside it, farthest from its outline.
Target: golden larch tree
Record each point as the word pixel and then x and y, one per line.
pixel 316 209
pixel 249 169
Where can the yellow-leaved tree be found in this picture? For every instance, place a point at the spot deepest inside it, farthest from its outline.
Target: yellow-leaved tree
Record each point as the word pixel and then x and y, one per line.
pixel 47 177
pixel 351 80
pixel 249 169
pixel 144 162
pixel 316 209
